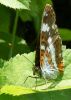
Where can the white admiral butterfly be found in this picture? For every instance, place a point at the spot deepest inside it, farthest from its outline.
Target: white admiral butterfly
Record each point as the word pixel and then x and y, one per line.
pixel 48 58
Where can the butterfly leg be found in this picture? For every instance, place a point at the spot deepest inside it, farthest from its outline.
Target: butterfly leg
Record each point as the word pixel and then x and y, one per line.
pixel 26 79
pixel 32 77
pixel 45 82
pixel 36 84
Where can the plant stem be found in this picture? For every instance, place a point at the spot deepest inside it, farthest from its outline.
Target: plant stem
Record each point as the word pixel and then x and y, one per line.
pixel 13 34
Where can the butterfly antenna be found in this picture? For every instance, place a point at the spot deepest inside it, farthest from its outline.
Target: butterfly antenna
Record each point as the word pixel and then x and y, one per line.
pixel 28 60
pixel 31 76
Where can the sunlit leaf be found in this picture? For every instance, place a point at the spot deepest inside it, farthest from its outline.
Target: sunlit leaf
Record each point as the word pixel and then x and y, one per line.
pixel 17 69
pixel 25 2
pixel 15 4
pixel 15 90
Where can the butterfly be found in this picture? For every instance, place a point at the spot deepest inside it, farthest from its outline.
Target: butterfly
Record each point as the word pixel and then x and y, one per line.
pixel 48 57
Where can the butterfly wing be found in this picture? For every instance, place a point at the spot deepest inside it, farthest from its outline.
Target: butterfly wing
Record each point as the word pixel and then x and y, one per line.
pixel 49 51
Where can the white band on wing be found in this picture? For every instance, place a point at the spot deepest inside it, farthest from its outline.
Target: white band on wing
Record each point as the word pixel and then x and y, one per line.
pixel 42 47
pixel 45 27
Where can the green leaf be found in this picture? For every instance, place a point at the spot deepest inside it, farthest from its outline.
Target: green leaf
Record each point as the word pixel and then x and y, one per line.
pixel 65 34
pixel 15 4
pixel 1 63
pixel 19 90
pixel 15 90
pixel 19 66
pixel 17 69
pixel 35 13
pixel 25 2
pixel 64 94
pixel 5 43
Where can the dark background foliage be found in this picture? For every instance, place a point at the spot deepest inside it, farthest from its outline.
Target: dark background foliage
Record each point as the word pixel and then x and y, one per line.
pixel 63 15
pixel 29 23
pixel 63 19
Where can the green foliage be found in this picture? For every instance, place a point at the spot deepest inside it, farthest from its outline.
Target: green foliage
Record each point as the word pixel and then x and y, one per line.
pixel 35 13
pixel 51 95
pixel 18 93
pixel 26 15
pixel 14 72
pixel 1 63
pixel 19 90
pixel 5 40
pixel 4 19
pixel 17 69
pixel 15 4
pixel 67 57
pixel 36 8
pixel 65 34
pixel 25 2
pixel 15 90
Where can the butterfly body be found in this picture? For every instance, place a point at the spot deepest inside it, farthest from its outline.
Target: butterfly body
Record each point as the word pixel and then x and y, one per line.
pixel 48 60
